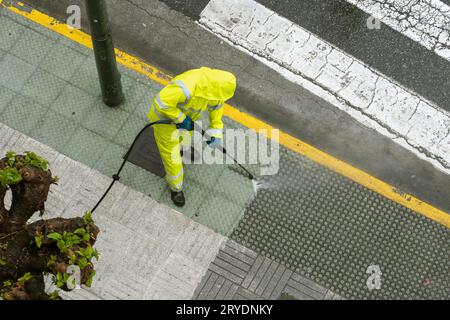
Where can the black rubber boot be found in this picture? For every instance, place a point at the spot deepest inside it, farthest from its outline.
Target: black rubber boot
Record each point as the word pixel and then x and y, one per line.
pixel 178 198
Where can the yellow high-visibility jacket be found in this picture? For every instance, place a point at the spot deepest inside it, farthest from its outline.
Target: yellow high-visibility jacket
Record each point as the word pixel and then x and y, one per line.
pixel 193 92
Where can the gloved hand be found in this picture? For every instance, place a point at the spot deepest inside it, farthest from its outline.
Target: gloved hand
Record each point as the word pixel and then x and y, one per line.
pixel 187 124
pixel 214 142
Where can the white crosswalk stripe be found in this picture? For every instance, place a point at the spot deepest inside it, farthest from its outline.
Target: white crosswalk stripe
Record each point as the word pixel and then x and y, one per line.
pixel 349 84
pixel 425 21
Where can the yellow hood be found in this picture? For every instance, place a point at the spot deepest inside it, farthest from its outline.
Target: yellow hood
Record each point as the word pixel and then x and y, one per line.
pixel 211 84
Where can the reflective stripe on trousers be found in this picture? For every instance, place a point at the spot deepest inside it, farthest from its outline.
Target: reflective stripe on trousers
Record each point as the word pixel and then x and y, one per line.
pixel 214 132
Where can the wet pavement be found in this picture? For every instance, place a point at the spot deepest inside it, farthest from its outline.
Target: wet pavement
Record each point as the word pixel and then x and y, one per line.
pixel 331 230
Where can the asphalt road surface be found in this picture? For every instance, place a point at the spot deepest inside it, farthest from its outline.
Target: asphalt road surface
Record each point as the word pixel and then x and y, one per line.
pixel 345 26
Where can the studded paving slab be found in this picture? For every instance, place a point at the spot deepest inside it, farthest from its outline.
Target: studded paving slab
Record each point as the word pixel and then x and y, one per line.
pixel 330 229
pixel 307 219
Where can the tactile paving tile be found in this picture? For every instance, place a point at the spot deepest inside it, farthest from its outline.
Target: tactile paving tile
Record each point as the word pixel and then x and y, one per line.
pixel 32 47
pixel 6 95
pixel 195 195
pixel 43 87
pixel 74 103
pixel 63 62
pixel 22 24
pixel 86 77
pixel 128 132
pixel 227 184
pixel 143 181
pixel 104 120
pixel 48 130
pixel 219 214
pixel 110 159
pixel 10 32
pixel 86 147
pixel 239 273
pixel 74 45
pixel 136 96
pixel 206 175
pixel 330 229
pixel 22 114
pixel 14 72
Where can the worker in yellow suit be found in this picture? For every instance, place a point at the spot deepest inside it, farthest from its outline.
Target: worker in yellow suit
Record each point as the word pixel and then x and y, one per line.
pixel 182 101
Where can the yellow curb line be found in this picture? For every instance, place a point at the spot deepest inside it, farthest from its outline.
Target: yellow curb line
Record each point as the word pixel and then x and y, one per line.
pixel 249 121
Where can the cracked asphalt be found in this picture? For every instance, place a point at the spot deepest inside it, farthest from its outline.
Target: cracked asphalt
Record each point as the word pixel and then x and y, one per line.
pixel 344 25
pixel 426 21
pixel 386 50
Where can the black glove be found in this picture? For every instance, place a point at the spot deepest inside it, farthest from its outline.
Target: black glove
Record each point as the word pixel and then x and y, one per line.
pixel 187 124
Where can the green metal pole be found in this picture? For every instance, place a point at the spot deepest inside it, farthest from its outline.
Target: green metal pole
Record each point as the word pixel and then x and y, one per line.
pixel 105 57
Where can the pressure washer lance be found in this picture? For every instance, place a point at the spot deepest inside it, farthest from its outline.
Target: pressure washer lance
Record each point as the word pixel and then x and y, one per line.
pixel 116 177
pixel 224 151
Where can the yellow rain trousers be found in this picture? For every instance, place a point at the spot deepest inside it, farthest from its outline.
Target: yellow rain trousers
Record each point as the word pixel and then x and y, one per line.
pixel 189 94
